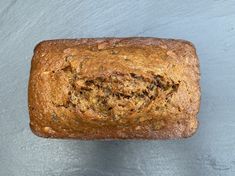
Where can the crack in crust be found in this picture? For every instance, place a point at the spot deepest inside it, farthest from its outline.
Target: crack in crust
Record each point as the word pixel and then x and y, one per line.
pixel 116 95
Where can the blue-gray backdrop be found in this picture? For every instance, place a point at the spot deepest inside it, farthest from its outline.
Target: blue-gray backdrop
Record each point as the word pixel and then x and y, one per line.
pixel 210 25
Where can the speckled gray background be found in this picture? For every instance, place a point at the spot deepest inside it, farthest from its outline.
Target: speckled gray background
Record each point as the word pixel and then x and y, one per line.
pixel 209 24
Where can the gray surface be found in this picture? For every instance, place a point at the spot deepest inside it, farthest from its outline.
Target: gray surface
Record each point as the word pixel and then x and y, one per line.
pixel 209 24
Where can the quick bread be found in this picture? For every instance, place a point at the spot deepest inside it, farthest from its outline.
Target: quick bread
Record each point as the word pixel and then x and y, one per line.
pixel 114 88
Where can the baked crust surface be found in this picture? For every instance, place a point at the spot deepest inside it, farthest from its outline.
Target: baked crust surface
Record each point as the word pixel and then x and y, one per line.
pixel 114 88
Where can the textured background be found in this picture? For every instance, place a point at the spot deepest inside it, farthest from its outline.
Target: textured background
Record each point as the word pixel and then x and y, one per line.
pixel 210 25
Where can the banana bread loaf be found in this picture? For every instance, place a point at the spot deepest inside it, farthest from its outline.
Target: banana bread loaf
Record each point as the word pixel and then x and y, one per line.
pixel 114 88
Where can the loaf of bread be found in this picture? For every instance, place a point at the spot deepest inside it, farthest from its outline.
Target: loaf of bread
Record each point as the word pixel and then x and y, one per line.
pixel 114 88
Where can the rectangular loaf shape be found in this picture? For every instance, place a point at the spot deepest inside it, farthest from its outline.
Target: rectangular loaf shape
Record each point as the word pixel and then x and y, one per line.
pixel 114 88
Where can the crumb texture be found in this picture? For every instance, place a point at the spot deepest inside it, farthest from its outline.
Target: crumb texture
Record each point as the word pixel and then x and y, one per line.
pixel 118 95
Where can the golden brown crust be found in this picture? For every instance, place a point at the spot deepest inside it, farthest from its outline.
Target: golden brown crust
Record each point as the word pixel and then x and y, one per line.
pixel 114 88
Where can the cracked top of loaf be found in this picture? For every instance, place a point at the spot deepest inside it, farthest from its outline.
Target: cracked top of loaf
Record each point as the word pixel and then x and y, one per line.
pixel 114 88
